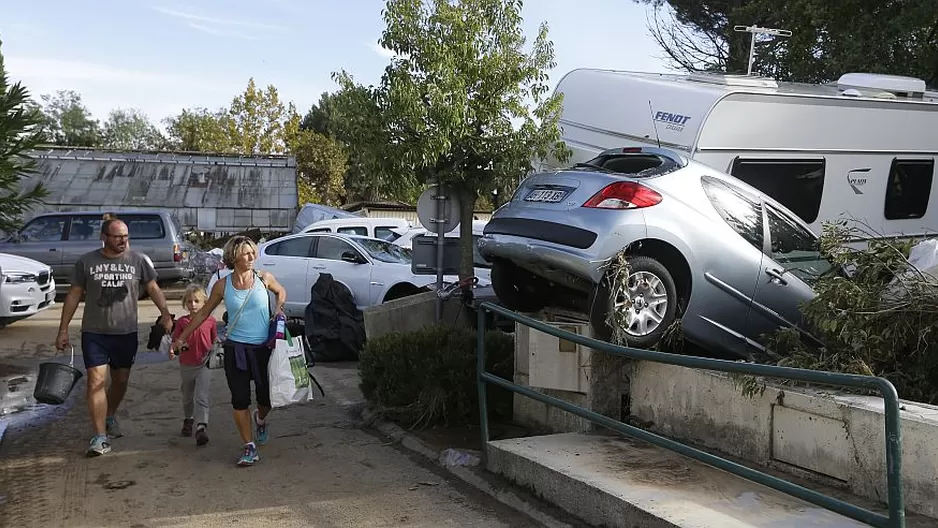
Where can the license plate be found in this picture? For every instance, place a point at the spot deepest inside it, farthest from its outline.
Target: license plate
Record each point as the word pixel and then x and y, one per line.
pixel 545 195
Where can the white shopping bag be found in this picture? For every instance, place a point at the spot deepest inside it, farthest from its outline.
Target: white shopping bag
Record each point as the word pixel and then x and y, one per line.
pixel 289 379
pixel 165 342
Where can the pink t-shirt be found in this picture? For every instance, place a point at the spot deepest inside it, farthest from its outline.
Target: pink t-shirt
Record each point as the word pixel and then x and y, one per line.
pixel 200 340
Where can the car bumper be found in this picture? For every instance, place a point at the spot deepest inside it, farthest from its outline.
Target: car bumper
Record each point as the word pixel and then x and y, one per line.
pixel 527 252
pixel 174 273
pixel 25 299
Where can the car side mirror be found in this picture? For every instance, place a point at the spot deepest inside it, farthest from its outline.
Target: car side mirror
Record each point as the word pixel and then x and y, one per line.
pixel 352 257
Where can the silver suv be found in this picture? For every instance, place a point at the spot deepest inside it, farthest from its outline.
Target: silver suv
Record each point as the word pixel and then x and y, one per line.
pixel 58 239
pixel 729 260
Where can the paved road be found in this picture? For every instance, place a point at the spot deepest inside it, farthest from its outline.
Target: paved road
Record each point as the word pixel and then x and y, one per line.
pixel 319 468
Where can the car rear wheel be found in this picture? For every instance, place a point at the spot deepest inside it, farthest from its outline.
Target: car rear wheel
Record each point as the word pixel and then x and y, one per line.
pixel 518 289
pixel 645 304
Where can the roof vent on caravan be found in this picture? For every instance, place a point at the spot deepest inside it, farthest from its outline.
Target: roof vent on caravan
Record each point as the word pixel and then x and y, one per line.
pixel 723 79
pixel 877 85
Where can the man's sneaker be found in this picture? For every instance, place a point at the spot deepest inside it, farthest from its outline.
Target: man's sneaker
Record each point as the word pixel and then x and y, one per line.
pixel 98 446
pixel 201 437
pixel 113 428
pixel 249 457
pixel 260 431
pixel 187 427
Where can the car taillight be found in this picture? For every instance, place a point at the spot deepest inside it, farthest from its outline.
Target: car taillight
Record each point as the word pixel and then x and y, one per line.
pixel 624 195
pixel 177 255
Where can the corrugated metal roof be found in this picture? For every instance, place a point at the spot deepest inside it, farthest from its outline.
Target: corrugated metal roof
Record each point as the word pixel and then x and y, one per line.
pixel 207 191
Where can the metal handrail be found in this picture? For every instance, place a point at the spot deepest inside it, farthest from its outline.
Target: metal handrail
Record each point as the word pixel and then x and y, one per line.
pixel 896 504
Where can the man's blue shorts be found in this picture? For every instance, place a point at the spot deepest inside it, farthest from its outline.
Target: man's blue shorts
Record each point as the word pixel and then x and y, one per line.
pixel 118 351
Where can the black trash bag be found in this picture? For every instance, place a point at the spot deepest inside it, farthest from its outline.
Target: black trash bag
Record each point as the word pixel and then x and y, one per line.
pixel 157 332
pixel 334 326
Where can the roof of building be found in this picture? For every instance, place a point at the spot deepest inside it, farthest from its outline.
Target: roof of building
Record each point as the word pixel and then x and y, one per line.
pixel 100 177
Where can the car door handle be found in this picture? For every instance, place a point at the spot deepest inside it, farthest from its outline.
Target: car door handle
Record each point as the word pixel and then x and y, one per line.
pixel 267 264
pixel 776 276
pixel 51 249
pixel 319 267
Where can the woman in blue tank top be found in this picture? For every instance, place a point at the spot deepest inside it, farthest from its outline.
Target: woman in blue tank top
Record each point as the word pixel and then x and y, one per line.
pixel 244 293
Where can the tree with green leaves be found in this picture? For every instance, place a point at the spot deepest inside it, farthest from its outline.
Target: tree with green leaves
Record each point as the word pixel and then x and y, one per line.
pixel 321 164
pixel 21 129
pixel 828 38
pixel 131 129
pixel 199 130
pixel 357 120
pixel 319 117
pixel 68 120
pixel 259 122
pixel 455 103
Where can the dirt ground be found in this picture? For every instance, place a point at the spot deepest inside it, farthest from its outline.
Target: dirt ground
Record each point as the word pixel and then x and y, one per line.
pixel 318 469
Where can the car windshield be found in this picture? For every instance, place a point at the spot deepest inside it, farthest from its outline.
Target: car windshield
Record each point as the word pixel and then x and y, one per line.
pixel 385 251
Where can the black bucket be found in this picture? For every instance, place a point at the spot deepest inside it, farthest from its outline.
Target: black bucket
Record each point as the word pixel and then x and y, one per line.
pixel 56 381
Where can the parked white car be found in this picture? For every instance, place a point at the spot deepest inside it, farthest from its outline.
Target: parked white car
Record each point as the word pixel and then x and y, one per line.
pixel 483 268
pixel 383 228
pixel 374 270
pixel 26 287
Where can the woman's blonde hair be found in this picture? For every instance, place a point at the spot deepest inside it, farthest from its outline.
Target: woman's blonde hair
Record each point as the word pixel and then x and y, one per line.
pixel 234 248
pixel 194 291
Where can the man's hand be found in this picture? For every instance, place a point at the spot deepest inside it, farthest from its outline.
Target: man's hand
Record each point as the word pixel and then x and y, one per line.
pixel 61 340
pixel 167 321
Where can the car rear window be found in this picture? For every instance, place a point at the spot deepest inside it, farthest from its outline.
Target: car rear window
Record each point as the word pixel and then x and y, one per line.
pixel 144 227
pixel 637 165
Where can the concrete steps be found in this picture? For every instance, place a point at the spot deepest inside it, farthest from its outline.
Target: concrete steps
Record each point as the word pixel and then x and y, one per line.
pixel 611 480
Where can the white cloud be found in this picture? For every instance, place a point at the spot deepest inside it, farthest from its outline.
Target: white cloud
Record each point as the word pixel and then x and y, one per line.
pixel 191 17
pixel 219 32
pixel 381 50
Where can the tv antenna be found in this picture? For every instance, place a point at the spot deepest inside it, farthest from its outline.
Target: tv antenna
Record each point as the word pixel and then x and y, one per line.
pixel 756 30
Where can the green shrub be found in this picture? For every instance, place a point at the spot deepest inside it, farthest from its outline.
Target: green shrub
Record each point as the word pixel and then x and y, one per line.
pixel 880 319
pixel 428 376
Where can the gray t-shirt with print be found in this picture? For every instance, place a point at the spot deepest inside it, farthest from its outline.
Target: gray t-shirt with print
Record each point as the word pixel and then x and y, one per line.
pixel 112 287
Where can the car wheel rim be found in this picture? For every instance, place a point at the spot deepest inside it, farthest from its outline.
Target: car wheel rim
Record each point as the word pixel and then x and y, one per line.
pixel 644 302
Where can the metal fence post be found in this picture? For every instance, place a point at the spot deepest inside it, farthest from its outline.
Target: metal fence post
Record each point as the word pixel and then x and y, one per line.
pixel 893 455
pixel 480 369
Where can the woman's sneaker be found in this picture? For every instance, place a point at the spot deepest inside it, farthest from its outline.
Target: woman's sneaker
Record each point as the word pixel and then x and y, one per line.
pixel 249 456
pixel 260 431
pixel 113 428
pixel 201 437
pixel 98 446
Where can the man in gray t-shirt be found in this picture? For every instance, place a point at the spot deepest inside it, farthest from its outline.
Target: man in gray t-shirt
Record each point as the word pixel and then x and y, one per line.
pixel 110 278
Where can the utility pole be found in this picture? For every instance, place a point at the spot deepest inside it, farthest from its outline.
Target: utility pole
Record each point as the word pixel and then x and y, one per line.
pixel 756 30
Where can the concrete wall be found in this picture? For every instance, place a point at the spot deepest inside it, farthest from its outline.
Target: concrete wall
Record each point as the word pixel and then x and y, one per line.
pixel 597 387
pixel 413 313
pixel 838 436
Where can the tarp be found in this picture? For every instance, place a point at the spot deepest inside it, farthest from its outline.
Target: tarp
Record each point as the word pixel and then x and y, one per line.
pixel 311 213
pixel 334 326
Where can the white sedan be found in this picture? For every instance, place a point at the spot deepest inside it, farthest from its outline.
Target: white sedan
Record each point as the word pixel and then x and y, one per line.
pixel 374 270
pixel 26 287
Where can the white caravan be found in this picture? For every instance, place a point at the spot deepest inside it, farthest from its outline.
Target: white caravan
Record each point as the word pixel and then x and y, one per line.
pixel 863 147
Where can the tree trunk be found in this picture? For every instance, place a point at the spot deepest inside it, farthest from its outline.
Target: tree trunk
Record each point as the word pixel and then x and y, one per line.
pixel 467 203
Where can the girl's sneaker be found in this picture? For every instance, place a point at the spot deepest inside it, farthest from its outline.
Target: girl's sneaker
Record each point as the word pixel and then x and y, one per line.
pixel 260 431
pixel 98 446
pixel 249 456
pixel 187 427
pixel 201 437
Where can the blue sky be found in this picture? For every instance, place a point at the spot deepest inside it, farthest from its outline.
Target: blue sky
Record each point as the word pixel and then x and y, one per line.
pixel 165 55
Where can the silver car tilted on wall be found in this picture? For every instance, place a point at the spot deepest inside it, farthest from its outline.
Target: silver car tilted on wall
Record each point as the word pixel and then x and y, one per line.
pixel 702 246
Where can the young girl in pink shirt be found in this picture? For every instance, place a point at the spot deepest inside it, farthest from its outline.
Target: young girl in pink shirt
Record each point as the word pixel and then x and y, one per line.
pixel 196 377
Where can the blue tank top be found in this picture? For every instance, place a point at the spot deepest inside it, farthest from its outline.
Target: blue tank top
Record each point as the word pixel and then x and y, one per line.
pixel 253 325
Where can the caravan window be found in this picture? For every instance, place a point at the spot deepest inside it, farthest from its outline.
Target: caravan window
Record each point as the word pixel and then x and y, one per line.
pixel 796 184
pixel 908 189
